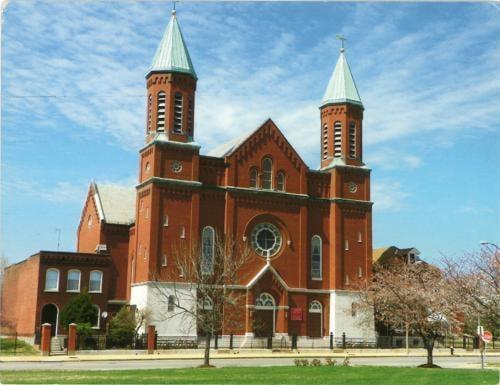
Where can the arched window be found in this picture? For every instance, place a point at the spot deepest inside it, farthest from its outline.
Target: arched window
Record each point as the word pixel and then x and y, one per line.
pixel 160 111
pixel 315 307
pixel 316 257
pixel 73 283
pixel 205 304
pixel 96 324
pixel 267 173
pixel 337 139
pixel 178 113
pixel 265 300
pixel 150 107
pixel 352 140
pixel 254 177
pixel 190 116
pixel 280 181
pixel 95 282
pixel 325 141
pixel 171 303
pixel 354 309
pixel 207 250
pixel 52 280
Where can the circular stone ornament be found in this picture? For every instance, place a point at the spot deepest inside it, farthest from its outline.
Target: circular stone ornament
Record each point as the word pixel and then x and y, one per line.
pixel 176 166
pixel 266 239
pixel 353 187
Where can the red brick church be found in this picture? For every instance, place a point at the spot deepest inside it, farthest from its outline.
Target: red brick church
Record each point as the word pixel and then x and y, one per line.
pixel 310 230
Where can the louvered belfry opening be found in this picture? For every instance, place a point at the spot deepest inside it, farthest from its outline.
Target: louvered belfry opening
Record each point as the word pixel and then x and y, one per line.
pixel 352 140
pixel 160 114
pixel 325 141
pixel 337 136
pixel 190 116
pixel 178 113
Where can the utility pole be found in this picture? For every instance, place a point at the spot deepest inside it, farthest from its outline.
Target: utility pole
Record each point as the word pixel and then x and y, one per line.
pixel 58 231
pixel 480 341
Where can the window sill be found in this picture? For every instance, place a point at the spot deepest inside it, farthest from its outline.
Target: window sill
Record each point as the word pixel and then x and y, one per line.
pixel 95 292
pixel 317 279
pixel 73 291
pixel 51 290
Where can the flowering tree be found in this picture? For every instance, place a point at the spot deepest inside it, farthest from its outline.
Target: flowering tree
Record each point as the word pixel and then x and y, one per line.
pixel 205 289
pixel 475 279
pixel 415 295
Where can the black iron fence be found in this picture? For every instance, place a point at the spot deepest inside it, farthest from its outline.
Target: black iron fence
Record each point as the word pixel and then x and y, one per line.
pixel 277 342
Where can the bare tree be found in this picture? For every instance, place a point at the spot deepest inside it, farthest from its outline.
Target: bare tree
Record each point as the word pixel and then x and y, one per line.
pixel 416 295
pixel 142 317
pixel 475 279
pixel 205 289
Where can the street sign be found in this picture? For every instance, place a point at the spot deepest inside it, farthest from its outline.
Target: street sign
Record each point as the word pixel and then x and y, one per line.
pixel 487 337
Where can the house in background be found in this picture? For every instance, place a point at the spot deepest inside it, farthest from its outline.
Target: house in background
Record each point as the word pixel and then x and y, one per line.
pixel 387 255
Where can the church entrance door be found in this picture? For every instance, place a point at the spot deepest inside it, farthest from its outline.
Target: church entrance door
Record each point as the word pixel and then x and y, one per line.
pixel 315 319
pixel 264 316
pixel 263 323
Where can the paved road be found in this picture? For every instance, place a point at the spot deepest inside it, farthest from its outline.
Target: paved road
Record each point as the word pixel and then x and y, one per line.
pixel 446 362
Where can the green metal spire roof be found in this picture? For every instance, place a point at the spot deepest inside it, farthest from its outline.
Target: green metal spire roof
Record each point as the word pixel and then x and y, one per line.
pixel 172 54
pixel 341 87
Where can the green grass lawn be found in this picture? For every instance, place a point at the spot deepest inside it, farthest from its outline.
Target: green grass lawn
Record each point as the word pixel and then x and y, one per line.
pixel 365 375
pixel 8 346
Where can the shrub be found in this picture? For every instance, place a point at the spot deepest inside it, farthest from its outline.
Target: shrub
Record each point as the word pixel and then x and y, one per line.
pixel 297 362
pixel 316 362
pixel 304 362
pixel 79 310
pixel 330 362
pixel 121 329
pixel 346 362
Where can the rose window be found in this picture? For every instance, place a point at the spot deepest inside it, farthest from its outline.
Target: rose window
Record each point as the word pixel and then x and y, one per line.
pixel 266 239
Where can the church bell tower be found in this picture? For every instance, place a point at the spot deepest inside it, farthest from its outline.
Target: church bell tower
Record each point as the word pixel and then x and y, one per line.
pixel 341 113
pixel 341 118
pixel 171 84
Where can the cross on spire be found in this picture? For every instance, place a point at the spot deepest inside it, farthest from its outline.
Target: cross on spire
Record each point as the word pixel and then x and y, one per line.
pixel 342 39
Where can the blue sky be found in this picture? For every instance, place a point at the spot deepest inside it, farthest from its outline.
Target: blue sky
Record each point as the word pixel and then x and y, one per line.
pixel 73 105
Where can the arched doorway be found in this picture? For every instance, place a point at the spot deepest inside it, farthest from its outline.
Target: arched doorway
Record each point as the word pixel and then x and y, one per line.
pixel 315 319
pixel 50 314
pixel 265 315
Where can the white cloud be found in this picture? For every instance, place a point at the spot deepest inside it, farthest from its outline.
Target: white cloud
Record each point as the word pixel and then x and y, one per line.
pixel 429 85
pixel 391 159
pixel 388 196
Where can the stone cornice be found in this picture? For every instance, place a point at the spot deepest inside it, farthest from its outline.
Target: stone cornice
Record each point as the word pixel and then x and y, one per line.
pixel 166 181
pixel 69 258
pixel 170 143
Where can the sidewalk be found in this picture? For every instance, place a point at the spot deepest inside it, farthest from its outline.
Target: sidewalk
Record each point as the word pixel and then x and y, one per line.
pixel 124 355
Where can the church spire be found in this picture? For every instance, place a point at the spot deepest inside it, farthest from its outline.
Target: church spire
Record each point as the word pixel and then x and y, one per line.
pixel 172 54
pixel 341 113
pixel 341 87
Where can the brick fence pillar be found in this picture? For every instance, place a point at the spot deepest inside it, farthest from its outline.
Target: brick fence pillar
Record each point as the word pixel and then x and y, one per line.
pixel 45 342
pixel 71 339
pixel 151 338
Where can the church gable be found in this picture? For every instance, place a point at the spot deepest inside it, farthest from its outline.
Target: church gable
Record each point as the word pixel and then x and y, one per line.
pixel 266 148
pixel 267 132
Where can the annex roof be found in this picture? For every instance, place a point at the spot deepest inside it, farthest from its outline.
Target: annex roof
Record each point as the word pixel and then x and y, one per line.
pixel 172 54
pixel 115 204
pixel 341 87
